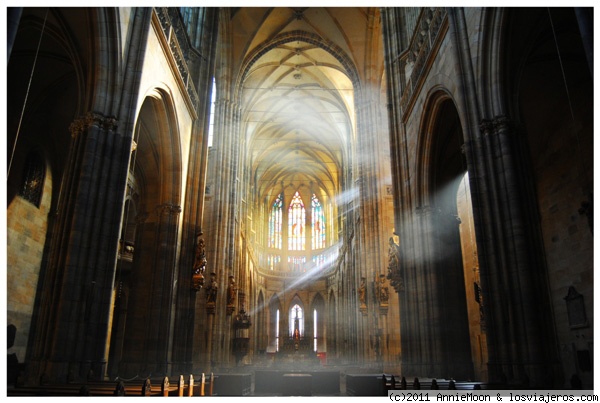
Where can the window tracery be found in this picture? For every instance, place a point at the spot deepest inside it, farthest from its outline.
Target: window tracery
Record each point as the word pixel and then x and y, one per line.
pixel 275 224
pixel 302 233
pixel 318 224
pixel 296 221
pixel 34 173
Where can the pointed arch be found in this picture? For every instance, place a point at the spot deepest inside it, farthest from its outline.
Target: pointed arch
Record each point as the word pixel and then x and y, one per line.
pixel 318 319
pixel 158 130
pixel 296 316
pixel 275 235
pixel 440 168
pixel 438 102
pixel 157 173
pixel 318 224
pixel 274 332
pixel 292 36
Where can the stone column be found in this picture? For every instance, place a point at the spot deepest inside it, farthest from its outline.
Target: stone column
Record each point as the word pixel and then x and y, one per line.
pixel 371 227
pixel 148 328
pixel 164 273
pixel 187 314
pixel 76 281
pixel 222 228
pixel 77 284
pixel 520 343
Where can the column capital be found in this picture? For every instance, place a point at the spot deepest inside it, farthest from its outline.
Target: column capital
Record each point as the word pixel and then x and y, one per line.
pixel 501 122
pixel 486 126
pixel 495 125
pixel 168 208
pixel 84 122
pixel 501 119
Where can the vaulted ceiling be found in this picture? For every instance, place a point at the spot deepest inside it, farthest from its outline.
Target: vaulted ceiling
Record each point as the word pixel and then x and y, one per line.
pixel 298 70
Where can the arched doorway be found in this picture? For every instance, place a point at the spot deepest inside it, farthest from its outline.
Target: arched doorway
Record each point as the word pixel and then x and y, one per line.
pixel 434 317
pixel 156 177
pixel 447 170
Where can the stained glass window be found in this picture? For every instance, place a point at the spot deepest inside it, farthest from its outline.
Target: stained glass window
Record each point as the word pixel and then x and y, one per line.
pixel 211 126
pixel 297 263
pixel 318 224
pixel 319 261
pixel 296 220
pixel 275 236
pixel 34 173
pixel 296 321
pixel 273 262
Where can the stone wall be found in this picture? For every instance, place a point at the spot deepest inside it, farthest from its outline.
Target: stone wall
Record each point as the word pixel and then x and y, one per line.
pixel 26 234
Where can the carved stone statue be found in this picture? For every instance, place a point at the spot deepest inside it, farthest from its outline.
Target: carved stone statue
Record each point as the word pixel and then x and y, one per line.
pixel 211 290
pixel 199 265
pixel 362 293
pixel 393 255
pixel 231 291
pixel 383 290
pixel 394 270
pixel 200 262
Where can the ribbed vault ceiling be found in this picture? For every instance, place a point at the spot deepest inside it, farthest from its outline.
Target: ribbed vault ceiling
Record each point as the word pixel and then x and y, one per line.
pixel 297 97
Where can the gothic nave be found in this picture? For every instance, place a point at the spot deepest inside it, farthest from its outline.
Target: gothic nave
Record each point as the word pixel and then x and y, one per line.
pixel 360 189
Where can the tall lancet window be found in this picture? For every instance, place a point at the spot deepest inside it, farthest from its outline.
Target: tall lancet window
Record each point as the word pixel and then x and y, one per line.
pixel 275 224
pixel 296 220
pixel 273 262
pixel 318 224
pixel 296 321
pixel 277 331
pixel 211 125
pixel 315 335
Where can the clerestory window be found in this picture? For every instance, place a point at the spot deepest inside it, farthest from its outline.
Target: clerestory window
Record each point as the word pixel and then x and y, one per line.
pixel 318 224
pixel 275 224
pixel 300 230
pixel 296 220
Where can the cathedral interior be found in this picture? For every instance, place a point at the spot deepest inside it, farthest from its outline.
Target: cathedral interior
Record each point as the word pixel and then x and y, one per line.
pixel 258 191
